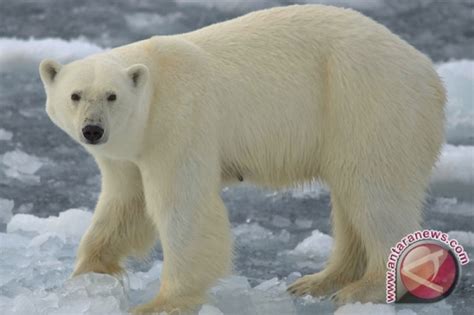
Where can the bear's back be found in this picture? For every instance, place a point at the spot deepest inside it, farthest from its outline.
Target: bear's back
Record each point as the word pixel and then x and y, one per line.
pixel 319 26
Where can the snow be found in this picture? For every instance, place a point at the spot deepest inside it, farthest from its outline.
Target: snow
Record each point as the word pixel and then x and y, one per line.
pixel 26 54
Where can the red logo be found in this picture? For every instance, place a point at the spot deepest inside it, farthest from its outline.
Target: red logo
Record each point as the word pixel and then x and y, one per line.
pixel 429 271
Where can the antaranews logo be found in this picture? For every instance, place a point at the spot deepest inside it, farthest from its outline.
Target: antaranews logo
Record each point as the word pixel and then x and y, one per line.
pixel 424 267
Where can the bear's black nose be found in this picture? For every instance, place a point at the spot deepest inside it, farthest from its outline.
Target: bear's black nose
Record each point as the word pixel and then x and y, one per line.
pixel 92 133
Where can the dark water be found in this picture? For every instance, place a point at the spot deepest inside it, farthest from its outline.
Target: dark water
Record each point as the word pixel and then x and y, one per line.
pixel 440 28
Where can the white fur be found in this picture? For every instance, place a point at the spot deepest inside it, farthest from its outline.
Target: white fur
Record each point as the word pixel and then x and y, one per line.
pixel 278 97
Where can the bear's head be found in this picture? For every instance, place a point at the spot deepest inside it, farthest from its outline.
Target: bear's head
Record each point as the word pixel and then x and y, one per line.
pixel 100 104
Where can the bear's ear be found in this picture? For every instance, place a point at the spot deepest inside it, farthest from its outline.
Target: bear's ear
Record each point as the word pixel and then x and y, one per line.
pixel 138 74
pixel 48 70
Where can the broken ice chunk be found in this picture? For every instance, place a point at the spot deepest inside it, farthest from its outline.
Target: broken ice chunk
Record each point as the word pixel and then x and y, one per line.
pixel 210 310
pixel 70 223
pixel 270 297
pixel 453 174
pixel 256 236
pixel 232 283
pixel 12 241
pixel 5 304
pixel 5 135
pixel 312 252
pixel 367 309
pixel 20 161
pixel 25 208
pixel 23 304
pixel 142 286
pixel 458 78
pixel 267 285
pixel 452 206
pixel 318 244
pixel 93 293
pixel 292 277
pixel 312 190
pixel 464 238
pixel 6 207
pixel 280 221
pixel 21 166
pixel 47 243
pixel 438 308
pixel 304 224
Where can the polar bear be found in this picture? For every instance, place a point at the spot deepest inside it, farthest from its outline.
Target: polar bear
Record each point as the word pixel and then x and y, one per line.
pixel 277 97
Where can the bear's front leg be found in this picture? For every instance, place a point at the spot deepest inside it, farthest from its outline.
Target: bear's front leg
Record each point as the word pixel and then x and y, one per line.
pixel 194 231
pixel 120 225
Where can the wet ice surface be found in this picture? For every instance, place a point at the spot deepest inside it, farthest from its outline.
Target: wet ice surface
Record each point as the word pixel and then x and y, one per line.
pixel 279 235
pixel 38 254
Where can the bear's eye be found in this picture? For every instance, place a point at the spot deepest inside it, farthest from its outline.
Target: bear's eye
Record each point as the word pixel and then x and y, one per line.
pixel 111 97
pixel 75 97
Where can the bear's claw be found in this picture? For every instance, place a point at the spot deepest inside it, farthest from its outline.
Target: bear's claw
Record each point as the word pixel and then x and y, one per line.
pixel 318 284
pixel 367 289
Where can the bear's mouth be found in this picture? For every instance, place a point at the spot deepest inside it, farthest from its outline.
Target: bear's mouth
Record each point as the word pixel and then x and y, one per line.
pixel 94 142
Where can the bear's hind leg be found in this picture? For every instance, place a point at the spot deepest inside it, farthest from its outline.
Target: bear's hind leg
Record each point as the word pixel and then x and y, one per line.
pixel 120 225
pixel 347 261
pixel 382 214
